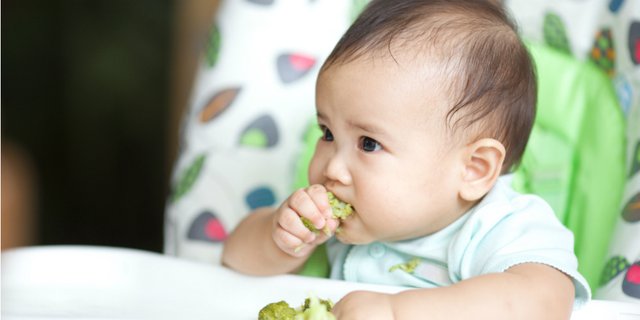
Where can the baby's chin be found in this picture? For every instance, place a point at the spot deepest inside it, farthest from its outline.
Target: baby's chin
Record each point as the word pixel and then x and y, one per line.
pixel 357 236
pixel 352 236
pixel 347 240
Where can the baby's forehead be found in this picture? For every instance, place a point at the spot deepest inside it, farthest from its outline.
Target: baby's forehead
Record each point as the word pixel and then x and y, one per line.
pixel 431 60
pixel 442 80
pixel 430 80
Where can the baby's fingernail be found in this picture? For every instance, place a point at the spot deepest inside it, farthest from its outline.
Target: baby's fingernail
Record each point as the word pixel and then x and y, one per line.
pixel 300 247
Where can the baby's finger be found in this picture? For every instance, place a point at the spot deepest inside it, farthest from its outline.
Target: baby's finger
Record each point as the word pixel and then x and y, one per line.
pixel 290 221
pixel 332 225
pixel 318 194
pixel 289 243
pixel 302 203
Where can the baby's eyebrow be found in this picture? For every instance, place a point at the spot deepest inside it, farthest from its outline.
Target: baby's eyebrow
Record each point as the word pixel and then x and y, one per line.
pixel 367 127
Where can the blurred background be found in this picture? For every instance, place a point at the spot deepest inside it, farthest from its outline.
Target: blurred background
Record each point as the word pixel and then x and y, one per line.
pixel 92 92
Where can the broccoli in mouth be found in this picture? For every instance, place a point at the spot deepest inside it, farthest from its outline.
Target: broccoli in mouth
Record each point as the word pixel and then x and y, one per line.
pixel 340 209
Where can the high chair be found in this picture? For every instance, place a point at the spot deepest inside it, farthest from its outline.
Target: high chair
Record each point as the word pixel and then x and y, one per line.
pixel 248 134
pixel 245 138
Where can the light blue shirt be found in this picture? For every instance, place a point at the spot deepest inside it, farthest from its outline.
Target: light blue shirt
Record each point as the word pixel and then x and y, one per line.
pixel 505 229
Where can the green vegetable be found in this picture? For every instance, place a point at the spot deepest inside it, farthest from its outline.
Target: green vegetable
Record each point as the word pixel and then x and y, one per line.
pixel 328 304
pixel 316 309
pixel 312 309
pixel 340 209
pixel 277 311
pixel 307 223
pixel 408 267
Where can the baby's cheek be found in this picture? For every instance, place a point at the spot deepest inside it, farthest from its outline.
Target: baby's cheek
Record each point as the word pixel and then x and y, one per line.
pixel 315 171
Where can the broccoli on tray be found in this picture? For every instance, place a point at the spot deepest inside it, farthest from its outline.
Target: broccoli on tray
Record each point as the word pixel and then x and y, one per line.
pixel 312 309
pixel 277 310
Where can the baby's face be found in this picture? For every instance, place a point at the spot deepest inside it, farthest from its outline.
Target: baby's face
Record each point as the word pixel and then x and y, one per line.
pixel 385 149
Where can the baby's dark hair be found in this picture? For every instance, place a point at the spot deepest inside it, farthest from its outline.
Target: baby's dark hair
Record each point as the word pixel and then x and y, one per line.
pixel 492 77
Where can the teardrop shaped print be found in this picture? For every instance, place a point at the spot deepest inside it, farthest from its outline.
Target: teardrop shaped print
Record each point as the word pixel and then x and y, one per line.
pixel 188 178
pixel 631 283
pixel 220 102
pixel 555 34
pixel 634 42
pixel 631 211
pixel 212 50
pixel 261 133
pixel 260 197
pixel 603 52
pixel 207 227
pixel 293 66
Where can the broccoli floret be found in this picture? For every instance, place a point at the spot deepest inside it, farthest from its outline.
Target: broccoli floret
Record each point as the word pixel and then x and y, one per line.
pixel 328 304
pixel 315 309
pixel 312 309
pixel 340 209
pixel 277 311
pixel 307 223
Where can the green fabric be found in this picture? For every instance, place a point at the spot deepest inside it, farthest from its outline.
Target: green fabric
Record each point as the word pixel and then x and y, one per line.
pixel 575 156
pixel 318 264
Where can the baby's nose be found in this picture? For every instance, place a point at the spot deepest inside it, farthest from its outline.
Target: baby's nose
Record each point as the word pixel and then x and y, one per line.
pixel 338 170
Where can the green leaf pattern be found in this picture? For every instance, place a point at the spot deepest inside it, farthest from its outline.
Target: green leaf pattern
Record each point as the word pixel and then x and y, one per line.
pixel 189 177
pixel 614 267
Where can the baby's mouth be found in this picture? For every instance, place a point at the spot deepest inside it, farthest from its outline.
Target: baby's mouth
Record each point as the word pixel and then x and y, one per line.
pixel 340 209
pixel 353 213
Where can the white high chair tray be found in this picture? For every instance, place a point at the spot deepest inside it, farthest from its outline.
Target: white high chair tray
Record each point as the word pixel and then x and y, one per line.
pixel 85 282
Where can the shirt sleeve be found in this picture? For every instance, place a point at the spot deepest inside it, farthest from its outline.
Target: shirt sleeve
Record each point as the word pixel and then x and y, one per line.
pixel 513 230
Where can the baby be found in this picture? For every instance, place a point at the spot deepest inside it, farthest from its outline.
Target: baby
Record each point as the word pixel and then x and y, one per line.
pixel 423 105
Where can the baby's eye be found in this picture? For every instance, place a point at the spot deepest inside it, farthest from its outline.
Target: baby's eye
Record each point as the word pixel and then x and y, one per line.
pixel 369 145
pixel 326 134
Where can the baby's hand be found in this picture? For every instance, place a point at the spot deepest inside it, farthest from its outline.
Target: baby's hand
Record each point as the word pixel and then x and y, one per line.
pixel 364 305
pixel 289 232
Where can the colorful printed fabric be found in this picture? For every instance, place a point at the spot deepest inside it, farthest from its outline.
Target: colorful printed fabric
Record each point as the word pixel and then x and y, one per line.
pixel 246 118
pixel 575 155
pixel 253 97
pixel 607 34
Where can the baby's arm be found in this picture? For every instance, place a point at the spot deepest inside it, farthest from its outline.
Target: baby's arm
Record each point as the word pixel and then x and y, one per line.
pixel 525 291
pixel 275 241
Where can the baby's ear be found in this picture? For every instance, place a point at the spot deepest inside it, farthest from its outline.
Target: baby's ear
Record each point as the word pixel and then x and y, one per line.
pixel 483 164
